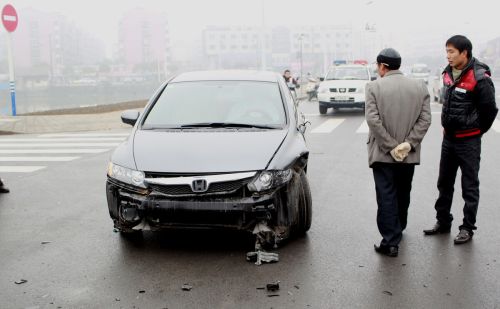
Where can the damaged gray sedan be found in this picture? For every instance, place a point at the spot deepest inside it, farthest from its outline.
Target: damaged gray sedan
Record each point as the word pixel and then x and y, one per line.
pixel 215 149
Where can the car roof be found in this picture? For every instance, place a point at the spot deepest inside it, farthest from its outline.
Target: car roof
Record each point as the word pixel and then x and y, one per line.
pixel 246 75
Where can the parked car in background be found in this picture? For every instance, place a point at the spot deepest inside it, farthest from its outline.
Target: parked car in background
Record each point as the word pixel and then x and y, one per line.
pixel 420 71
pixel 344 87
pixel 215 149
pixel 438 88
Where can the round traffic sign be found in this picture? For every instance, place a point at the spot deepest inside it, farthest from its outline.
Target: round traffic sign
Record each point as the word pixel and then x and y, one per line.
pixel 9 18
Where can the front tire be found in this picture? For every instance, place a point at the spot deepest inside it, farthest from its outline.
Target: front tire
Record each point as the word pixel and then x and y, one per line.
pixel 322 109
pixel 305 205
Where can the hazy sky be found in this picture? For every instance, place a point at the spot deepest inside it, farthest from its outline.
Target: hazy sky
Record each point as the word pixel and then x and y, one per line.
pixel 399 20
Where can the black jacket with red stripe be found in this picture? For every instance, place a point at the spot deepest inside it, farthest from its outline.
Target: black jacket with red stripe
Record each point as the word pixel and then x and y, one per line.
pixel 469 107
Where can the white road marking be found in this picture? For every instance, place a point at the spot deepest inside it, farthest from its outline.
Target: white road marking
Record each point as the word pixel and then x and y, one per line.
pixel 20 169
pixel 496 126
pixel 363 128
pixel 328 126
pixel 37 159
pixel 37 145
pixel 84 135
pixel 96 150
pixel 105 139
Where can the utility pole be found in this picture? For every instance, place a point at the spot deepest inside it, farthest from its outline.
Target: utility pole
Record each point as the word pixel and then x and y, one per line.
pixel 301 38
pixel 263 39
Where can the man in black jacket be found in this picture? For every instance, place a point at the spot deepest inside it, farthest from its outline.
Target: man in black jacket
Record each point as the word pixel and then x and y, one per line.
pixel 468 112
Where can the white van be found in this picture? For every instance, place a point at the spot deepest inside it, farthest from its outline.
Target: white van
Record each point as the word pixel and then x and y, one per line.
pixel 420 71
pixel 344 87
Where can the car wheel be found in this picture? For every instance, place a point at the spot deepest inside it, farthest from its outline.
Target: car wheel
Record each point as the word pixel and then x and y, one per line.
pixel 305 205
pixel 322 109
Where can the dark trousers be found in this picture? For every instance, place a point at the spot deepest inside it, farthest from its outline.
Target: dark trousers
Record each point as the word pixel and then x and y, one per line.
pixel 465 154
pixel 393 186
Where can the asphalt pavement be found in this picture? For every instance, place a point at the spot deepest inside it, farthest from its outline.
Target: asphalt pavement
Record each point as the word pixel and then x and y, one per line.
pixel 55 232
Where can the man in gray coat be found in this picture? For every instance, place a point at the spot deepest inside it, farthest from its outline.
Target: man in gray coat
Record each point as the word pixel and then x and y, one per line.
pixel 398 115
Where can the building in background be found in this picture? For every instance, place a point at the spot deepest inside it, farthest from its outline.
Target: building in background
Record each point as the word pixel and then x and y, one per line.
pixel 144 44
pixel 50 49
pixel 310 49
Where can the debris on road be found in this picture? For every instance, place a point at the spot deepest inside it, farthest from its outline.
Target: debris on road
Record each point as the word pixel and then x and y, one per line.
pixel 142 291
pixel 117 299
pixel 272 295
pixel 45 242
pixel 275 286
pixel 387 293
pixel 260 257
pixel 186 287
pixel 296 286
pixel 20 281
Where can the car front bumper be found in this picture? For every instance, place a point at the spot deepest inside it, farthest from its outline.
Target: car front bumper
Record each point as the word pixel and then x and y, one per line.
pixel 197 211
pixel 342 104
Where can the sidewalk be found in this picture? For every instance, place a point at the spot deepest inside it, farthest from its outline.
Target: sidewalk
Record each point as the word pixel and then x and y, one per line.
pixel 74 120
pixel 61 123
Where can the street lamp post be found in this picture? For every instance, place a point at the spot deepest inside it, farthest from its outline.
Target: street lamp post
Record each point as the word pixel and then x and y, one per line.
pixel 301 37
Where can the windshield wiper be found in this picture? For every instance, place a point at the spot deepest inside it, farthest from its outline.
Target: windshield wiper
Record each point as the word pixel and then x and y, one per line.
pixel 158 127
pixel 227 125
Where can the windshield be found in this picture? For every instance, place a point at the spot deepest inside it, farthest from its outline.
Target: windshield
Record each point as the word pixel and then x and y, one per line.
pixel 218 102
pixel 347 73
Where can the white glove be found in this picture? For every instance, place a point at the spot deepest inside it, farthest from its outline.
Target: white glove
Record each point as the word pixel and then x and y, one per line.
pixel 403 149
pixel 400 152
pixel 395 155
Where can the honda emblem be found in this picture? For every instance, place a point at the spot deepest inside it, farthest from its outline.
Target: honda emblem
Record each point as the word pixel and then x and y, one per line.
pixel 199 185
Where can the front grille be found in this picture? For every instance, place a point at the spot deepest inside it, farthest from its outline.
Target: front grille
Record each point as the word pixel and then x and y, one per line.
pixel 217 187
pixel 350 100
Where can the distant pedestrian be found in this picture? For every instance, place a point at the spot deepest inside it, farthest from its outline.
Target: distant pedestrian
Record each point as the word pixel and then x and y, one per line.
pixel 398 115
pixel 3 188
pixel 290 81
pixel 469 110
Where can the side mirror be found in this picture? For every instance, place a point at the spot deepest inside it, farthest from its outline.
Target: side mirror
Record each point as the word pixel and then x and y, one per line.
pixel 304 123
pixel 373 78
pixel 130 117
pixel 321 79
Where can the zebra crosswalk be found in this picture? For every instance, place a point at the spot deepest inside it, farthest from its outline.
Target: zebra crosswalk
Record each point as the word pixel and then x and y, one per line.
pixel 18 153
pixel 329 125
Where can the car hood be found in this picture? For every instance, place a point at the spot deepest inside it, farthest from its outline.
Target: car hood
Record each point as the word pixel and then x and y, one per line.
pixel 354 83
pixel 205 151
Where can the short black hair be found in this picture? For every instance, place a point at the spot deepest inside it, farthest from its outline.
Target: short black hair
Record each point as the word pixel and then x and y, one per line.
pixel 461 43
pixel 287 70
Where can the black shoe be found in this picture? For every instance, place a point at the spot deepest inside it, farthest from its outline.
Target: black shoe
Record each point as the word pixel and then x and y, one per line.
pixel 462 237
pixel 4 189
pixel 438 229
pixel 391 251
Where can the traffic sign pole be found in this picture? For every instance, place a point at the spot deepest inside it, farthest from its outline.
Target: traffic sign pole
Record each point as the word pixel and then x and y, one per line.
pixel 10 20
pixel 12 81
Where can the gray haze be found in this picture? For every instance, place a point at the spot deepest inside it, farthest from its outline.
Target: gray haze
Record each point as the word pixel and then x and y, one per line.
pixel 305 36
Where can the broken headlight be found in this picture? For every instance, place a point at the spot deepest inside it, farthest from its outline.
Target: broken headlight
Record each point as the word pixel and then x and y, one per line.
pixel 266 180
pixel 126 175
